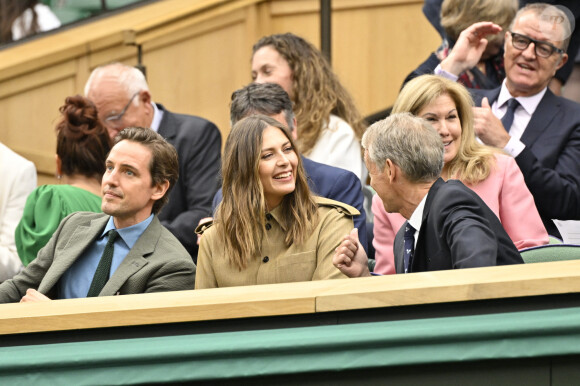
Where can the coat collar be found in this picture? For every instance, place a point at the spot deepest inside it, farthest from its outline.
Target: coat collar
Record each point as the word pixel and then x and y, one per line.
pixel 167 127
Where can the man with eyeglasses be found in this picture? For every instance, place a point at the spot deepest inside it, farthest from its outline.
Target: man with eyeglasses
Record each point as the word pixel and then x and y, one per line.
pixel 122 97
pixel 523 117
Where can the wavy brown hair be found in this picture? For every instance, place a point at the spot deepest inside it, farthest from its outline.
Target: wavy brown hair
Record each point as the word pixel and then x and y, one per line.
pixel 473 161
pixel 82 141
pixel 240 218
pixel 316 90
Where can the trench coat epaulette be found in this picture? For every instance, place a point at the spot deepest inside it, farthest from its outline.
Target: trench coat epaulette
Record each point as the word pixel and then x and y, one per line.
pixel 340 206
pixel 203 227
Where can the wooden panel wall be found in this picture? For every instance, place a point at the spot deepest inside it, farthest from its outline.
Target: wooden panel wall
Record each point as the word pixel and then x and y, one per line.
pixel 197 52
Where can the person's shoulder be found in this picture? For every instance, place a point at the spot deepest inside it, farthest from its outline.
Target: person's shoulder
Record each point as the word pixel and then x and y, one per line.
pixel 341 207
pixel 503 161
pixel 13 160
pixel 201 228
pixel 314 168
pixel 568 104
pixel 452 191
pixel 191 120
pixel 338 125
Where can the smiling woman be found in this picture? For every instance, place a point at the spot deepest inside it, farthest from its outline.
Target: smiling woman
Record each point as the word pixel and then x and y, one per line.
pixel 269 228
pixel 494 176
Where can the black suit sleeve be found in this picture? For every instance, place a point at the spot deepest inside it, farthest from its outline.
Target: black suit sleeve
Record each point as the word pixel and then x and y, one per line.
pixel 470 238
pixel 556 191
pixel 198 175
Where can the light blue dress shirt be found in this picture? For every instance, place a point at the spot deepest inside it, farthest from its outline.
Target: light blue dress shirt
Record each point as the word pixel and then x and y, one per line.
pixel 76 281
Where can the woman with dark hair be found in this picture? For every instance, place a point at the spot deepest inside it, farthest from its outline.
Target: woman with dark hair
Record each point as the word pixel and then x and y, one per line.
pixel 268 228
pixel 21 18
pixel 82 146
pixel 329 126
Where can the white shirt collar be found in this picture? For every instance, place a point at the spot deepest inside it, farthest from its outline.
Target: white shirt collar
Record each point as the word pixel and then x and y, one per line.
pixel 157 117
pixel 529 103
pixel 417 217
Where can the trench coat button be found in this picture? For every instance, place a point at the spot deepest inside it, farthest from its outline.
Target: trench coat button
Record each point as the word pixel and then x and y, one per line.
pixel 268 226
pixel 268 216
pixel 266 259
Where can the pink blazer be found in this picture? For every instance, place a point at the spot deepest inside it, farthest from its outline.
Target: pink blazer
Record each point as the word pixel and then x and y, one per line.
pixel 504 191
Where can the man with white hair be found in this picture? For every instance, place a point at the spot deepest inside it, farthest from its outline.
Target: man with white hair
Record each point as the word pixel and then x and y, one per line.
pixel 122 97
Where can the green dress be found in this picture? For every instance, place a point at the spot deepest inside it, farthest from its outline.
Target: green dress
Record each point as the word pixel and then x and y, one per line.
pixel 45 208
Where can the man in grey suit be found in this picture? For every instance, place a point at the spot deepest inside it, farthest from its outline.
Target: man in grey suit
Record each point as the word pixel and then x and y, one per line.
pixel 448 226
pixel 126 250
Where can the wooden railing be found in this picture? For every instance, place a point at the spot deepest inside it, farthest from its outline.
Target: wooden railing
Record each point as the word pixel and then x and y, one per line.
pixel 197 52
pixel 468 285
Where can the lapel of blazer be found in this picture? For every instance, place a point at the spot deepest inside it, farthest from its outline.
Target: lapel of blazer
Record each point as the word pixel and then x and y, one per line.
pixel 167 125
pixel 545 113
pixel 135 259
pixel 421 250
pixel 399 249
pixel 478 95
pixel 66 254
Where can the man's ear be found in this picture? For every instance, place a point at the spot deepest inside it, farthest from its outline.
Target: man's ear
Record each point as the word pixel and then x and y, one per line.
pixel 159 190
pixel 58 165
pixel 563 61
pixel 391 171
pixel 295 131
pixel 145 96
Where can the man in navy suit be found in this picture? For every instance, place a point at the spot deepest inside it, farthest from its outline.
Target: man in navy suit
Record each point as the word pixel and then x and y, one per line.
pixel 544 129
pixel 122 97
pixel 448 226
pixel 326 181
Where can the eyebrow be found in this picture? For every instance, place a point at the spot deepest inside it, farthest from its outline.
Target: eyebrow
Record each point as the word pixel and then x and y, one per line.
pixel 272 148
pixel 430 113
pixel 123 165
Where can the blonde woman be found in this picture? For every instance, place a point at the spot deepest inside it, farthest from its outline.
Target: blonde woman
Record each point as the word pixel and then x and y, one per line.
pixel 268 228
pixel 494 176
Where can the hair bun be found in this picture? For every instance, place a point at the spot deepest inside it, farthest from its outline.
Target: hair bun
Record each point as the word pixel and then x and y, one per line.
pixel 80 117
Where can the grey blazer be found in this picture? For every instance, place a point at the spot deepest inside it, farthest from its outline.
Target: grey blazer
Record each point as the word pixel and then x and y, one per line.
pixel 156 263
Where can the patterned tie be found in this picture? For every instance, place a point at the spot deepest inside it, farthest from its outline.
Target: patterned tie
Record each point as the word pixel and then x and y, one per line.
pixel 409 245
pixel 104 268
pixel 508 118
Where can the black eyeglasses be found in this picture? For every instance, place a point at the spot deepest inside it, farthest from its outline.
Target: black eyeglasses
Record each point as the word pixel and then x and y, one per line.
pixel 117 118
pixel 542 48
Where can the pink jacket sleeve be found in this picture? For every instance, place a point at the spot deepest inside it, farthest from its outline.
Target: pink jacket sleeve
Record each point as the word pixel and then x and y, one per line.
pixel 386 225
pixel 517 209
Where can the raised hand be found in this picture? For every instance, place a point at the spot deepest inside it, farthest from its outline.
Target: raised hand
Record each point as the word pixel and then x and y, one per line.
pixel 467 51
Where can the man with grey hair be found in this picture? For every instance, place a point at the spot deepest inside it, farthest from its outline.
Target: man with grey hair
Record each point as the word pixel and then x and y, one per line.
pixel 122 97
pixel 448 226
pixel 523 117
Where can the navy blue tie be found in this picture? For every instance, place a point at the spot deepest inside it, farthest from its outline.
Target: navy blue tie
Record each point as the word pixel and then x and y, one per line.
pixel 508 118
pixel 409 238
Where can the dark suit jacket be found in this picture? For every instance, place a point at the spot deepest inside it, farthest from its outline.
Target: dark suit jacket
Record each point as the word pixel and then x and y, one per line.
pixel 334 183
pixel 156 263
pixel 458 231
pixel 550 161
pixel 198 145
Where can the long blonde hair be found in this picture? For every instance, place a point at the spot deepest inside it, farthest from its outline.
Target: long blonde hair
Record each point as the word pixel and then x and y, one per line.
pixel 240 218
pixel 316 90
pixel 473 161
